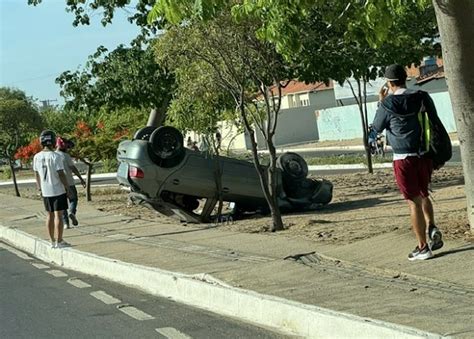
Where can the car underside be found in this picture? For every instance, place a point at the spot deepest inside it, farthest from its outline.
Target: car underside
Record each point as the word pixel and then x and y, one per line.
pixel 162 174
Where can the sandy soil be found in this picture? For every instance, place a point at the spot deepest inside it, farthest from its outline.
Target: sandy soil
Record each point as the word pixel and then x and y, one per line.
pixel 363 206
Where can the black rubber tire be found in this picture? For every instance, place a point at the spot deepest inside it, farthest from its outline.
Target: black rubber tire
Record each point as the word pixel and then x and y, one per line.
pixel 293 166
pixel 167 143
pixel 144 133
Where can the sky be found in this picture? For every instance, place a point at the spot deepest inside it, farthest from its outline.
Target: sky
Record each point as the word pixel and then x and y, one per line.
pixel 39 43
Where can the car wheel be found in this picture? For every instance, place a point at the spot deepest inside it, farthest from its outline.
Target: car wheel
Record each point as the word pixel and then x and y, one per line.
pixel 144 133
pixel 293 166
pixel 167 142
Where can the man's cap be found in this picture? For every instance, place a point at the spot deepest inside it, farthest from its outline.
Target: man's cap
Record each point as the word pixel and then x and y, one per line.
pixel 47 138
pixel 395 72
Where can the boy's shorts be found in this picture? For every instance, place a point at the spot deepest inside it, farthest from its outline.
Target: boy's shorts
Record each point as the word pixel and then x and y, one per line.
pixel 57 203
pixel 413 176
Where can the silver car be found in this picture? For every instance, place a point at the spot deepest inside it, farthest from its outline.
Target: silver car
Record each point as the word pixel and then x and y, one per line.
pixel 164 175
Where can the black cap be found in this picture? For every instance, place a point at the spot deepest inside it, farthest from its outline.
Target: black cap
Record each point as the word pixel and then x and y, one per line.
pixel 47 138
pixel 395 72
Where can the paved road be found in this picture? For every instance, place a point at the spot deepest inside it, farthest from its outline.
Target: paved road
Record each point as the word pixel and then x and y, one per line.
pixel 313 153
pixel 35 304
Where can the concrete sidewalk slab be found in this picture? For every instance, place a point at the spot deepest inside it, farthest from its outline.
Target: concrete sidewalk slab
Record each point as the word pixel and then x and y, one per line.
pixel 294 285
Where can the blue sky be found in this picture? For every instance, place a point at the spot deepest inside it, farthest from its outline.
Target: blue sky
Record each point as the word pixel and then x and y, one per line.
pixel 38 43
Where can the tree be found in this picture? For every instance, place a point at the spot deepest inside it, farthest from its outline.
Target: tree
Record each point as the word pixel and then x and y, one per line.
pixel 248 69
pixel 332 48
pixel 125 77
pixel 97 138
pixel 375 22
pixel 456 24
pixel 59 120
pixel 199 104
pixel 19 121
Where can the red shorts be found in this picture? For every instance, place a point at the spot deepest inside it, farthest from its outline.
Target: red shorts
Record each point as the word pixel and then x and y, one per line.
pixel 413 176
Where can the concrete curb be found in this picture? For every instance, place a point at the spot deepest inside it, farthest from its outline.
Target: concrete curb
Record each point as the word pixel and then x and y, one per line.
pixel 287 316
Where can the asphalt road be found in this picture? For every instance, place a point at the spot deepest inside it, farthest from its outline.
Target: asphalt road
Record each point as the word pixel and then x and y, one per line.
pixel 314 153
pixel 36 304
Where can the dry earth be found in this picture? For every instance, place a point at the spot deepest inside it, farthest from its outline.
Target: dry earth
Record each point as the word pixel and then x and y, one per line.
pixel 363 206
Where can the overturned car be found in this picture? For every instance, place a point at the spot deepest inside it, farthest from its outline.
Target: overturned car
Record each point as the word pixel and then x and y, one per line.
pixel 164 175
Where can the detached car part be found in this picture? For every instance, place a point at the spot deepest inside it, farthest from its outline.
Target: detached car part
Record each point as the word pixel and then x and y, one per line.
pixel 164 175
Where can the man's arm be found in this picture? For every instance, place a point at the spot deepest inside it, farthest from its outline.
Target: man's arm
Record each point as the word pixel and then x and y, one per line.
pixel 38 181
pixel 380 121
pixel 63 179
pixel 78 174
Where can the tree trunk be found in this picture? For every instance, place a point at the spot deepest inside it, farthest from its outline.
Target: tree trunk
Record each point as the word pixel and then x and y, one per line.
pixel 456 25
pixel 157 115
pixel 218 181
pixel 15 184
pixel 272 187
pixel 265 176
pixel 88 181
pixel 361 103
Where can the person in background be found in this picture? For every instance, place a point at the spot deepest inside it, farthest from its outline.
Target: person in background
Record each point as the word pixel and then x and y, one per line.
pixel 398 114
pixel 189 143
pixel 63 146
pixel 52 184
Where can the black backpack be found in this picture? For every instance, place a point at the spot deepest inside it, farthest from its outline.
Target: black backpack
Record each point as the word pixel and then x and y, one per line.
pixel 435 141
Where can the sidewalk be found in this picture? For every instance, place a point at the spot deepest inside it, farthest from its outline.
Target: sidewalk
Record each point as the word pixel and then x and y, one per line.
pixel 296 286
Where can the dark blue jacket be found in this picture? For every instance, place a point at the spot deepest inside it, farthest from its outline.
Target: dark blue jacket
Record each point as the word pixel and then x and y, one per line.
pixel 398 114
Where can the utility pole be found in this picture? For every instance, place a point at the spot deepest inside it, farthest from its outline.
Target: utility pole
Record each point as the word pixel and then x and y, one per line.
pixel 45 104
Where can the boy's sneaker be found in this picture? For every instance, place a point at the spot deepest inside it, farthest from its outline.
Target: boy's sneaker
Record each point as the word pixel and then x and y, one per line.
pixel 63 244
pixel 53 244
pixel 420 254
pixel 436 238
pixel 73 219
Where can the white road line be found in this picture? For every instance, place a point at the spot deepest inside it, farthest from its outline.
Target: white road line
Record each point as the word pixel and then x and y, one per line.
pixel 57 273
pixel 78 283
pixel 134 312
pixel 39 266
pixel 172 333
pixel 104 297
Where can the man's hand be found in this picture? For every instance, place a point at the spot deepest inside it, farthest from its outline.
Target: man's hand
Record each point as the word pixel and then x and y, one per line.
pixel 69 193
pixel 383 92
pixel 83 183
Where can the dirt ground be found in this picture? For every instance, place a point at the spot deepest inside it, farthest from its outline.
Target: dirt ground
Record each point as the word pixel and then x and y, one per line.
pixel 363 206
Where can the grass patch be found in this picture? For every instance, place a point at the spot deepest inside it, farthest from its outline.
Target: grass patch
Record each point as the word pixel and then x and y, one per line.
pixel 346 159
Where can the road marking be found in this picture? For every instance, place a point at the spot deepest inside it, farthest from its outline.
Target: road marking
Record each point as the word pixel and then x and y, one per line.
pixel 172 333
pixel 57 273
pixel 78 283
pixel 39 266
pixel 104 297
pixel 134 312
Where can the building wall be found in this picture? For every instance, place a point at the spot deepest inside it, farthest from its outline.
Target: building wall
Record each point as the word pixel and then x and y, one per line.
pixel 322 121
pixel 340 123
pixel 299 124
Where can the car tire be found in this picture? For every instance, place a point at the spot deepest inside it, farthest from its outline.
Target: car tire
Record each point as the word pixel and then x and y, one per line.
pixel 167 143
pixel 293 166
pixel 144 133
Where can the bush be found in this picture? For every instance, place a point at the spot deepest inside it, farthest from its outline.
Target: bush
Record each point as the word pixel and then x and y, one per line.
pixel 6 172
pixel 109 165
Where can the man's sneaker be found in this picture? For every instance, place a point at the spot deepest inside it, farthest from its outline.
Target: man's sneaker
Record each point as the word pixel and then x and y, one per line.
pixel 436 238
pixel 53 244
pixel 423 254
pixel 66 226
pixel 73 219
pixel 63 244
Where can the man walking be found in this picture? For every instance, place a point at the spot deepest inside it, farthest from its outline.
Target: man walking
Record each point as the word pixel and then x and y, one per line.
pixel 52 184
pixel 63 146
pixel 398 113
